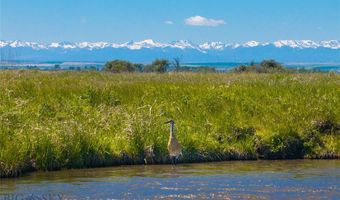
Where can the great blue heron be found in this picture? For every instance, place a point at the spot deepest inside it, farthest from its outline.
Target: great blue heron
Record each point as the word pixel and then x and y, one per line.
pixel 174 147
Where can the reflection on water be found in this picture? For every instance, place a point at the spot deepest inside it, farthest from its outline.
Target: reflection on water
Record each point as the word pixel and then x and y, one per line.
pixel 292 179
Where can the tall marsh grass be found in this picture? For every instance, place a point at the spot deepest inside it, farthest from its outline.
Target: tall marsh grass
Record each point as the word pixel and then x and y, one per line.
pixel 53 120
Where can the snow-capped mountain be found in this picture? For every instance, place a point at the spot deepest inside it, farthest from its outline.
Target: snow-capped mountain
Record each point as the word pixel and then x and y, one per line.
pixel 305 44
pixel 145 50
pixel 149 43
pixel 213 45
pixel 181 44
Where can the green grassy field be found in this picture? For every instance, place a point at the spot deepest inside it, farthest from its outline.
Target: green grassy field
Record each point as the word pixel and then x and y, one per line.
pixel 53 120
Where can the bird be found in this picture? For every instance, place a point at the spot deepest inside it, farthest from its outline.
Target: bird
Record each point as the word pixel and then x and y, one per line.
pixel 174 147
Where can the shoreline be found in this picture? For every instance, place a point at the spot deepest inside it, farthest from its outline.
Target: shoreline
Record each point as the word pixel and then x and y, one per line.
pixel 23 173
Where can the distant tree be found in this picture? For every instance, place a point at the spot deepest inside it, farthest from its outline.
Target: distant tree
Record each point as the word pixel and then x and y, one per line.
pixel 266 66
pixel 159 65
pixel 242 68
pixel 177 64
pixel 271 65
pixel 138 67
pixel 148 68
pixel 118 66
pixel 56 67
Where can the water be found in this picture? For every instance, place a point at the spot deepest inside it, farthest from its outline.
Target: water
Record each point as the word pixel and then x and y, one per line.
pixel 94 66
pixel 322 67
pixel 294 179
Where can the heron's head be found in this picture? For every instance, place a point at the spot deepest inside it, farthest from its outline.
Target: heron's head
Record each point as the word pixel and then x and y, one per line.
pixel 170 122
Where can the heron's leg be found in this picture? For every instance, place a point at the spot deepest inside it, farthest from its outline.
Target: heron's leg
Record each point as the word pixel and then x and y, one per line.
pixel 173 159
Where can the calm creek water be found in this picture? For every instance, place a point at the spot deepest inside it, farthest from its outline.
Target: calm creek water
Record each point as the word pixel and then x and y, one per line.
pixel 292 179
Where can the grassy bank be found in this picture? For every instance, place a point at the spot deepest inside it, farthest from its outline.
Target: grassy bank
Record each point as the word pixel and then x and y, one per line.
pixel 53 120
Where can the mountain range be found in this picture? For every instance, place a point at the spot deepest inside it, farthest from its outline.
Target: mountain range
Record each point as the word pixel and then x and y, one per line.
pixel 147 50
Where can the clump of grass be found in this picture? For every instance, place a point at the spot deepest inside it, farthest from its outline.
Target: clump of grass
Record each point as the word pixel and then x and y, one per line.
pixel 53 120
pixel 286 144
pixel 319 139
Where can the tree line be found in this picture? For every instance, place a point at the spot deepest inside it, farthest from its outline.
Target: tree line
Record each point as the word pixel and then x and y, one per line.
pixel 119 66
pixel 158 66
pixel 164 65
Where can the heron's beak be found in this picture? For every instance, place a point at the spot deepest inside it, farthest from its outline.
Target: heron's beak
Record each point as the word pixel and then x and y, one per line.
pixel 167 122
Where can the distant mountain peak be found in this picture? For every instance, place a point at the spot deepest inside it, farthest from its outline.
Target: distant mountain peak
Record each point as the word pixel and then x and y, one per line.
pixel 252 43
pixel 213 45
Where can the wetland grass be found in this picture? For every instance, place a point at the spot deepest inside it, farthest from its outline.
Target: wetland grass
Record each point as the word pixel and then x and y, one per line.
pixel 53 120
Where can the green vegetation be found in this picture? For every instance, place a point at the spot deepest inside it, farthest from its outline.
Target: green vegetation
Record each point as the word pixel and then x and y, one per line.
pixel 266 66
pixel 119 66
pixel 159 65
pixel 53 120
pixel 163 65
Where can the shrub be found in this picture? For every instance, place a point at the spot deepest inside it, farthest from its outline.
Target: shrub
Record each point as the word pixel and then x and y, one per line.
pixel 315 138
pixel 266 66
pixel 312 143
pixel 159 65
pixel 271 65
pixel 327 127
pixel 117 66
pixel 241 68
pixel 284 145
pixel 242 133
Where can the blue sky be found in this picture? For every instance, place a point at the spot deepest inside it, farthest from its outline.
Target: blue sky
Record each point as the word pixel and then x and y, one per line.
pixel 169 20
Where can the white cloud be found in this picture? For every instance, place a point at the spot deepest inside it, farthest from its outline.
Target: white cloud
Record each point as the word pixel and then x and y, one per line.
pixel 169 22
pixel 202 21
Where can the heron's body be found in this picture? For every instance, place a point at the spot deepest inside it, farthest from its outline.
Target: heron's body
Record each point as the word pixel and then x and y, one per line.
pixel 174 147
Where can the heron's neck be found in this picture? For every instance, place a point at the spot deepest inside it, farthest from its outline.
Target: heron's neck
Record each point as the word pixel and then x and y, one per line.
pixel 172 132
